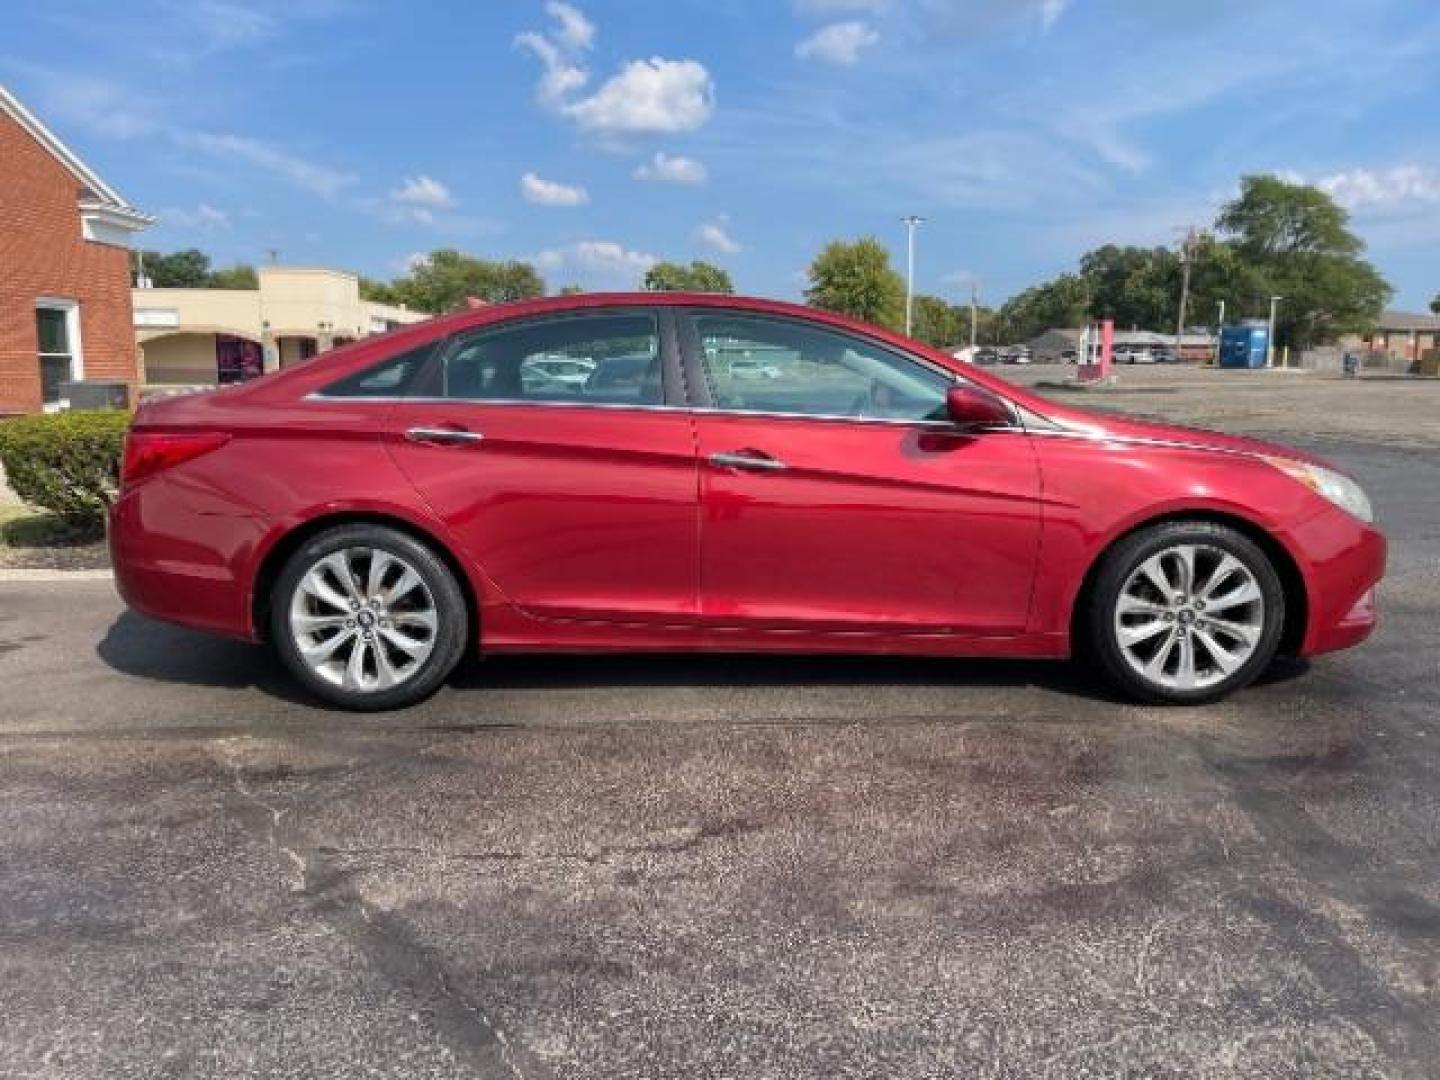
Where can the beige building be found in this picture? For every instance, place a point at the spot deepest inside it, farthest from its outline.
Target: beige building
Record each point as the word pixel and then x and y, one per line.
pixel 1401 334
pixel 199 337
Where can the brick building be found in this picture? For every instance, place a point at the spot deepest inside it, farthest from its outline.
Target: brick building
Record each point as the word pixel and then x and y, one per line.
pixel 65 311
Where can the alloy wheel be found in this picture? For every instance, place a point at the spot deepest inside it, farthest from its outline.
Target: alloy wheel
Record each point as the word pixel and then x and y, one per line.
pixel 1189 617
pixel 363 619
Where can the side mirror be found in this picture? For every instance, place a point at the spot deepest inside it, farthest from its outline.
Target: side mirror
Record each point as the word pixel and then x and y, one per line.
pixel 971 407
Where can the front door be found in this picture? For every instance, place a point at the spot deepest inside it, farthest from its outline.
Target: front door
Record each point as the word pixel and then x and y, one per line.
pixel 559 453
pixel 836 496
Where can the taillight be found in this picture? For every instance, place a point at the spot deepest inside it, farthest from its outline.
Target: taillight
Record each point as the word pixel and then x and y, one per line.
pixel 150 452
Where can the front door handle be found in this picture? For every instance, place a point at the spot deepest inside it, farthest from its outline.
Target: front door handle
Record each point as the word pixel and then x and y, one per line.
pixel 443 436
pixel 747 459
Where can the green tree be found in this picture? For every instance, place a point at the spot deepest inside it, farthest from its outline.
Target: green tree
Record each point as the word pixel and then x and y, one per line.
pixel 445 279
pixel 697 277
pixel 571 290
pixel 856 279
pixel 1137 287
pixel 940 323
pixel 188 269
pixel 239 276
pixel 1295 242
pixel 1064 302
pixel 1435 304
pixel 379 292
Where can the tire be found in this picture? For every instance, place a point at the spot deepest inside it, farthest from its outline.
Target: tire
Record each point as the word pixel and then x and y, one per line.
pixel 1218 632
pixel 402 617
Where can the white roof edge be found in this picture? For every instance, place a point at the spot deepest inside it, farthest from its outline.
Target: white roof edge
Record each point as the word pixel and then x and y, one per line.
pixel 124 217
pixel 12 105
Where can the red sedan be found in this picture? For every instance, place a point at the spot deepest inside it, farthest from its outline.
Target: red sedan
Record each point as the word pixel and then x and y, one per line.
pixel 694 472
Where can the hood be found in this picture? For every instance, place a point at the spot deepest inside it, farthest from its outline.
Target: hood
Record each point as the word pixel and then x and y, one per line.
pixel 1129 427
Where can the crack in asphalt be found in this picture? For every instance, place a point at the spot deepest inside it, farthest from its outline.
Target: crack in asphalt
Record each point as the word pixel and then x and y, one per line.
pixel 728 829
pixel 1401 1025
pixel 385 940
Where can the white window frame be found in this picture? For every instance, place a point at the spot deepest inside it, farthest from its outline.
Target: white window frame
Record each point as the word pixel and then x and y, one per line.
pixel 71 310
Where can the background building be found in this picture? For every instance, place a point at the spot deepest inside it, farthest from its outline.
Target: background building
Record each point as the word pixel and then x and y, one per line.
pixel 1402 334
pixel 199 337
pixel 64 268
pixel 1055 346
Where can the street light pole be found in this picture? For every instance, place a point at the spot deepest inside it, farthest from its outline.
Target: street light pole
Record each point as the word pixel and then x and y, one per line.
pixel 1185 246
pixel 1270 333
pixel 910 224
pixel 974 307
pixel 1219 329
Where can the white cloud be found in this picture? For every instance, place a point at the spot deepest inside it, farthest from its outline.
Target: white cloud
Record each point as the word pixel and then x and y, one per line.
pixel 838 43
pixel 320 179
pixel 655 96
pixel 668 169
pixel 98 105
pixel 551 193
pixel 713 234
pixel 1050 12
pixel 562 76
pixel 423 191
pixel 204 217
pixel 223 25
pixel 559 53
pixel 602 262
pixel 645 96
pixel 1402 185
pixel 574 31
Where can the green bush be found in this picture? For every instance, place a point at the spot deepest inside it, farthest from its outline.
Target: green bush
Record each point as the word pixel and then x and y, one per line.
pixel 67 463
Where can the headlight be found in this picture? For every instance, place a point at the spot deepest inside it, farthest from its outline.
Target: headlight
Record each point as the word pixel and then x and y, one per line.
pixel 1338 488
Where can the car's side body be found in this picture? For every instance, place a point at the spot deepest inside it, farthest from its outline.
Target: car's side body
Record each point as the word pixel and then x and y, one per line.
pixel 597 525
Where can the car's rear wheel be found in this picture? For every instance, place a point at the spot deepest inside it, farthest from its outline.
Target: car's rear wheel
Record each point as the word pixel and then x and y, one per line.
pixel 1185 613
pixel 368 618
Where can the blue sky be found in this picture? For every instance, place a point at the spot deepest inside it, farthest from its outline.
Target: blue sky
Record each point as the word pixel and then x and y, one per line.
pixel 596 136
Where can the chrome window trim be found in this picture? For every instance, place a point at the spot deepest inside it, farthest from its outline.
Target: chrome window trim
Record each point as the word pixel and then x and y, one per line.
pixel 698 410
pixel 891 421
pixel 429 399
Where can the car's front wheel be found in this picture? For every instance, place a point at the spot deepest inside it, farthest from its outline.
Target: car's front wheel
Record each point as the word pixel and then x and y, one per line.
pixel 368 618
pixel 1185 613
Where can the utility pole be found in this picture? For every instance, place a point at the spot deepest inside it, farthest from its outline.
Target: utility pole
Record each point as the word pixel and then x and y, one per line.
pixel 1270 333
pixel 911 222
pixel 974 309
pixel 1185 246
pixel 1219 329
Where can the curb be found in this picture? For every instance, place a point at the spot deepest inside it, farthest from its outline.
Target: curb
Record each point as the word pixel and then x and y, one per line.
pixel 21 575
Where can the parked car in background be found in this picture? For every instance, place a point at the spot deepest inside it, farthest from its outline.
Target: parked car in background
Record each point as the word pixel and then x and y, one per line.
pixel 746 367
pixel 557 370
pixel 397 504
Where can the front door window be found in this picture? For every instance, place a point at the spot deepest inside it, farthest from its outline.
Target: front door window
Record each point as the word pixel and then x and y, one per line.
pixel 755 364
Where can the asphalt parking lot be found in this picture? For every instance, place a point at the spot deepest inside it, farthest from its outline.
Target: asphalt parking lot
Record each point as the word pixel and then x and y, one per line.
pixel 742 867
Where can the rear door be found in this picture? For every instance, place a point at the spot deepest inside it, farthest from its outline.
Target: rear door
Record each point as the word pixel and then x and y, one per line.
pixel 559 452
pixel 835 496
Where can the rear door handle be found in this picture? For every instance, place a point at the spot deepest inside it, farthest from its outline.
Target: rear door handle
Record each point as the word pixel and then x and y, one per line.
pixel 747 459
pixel 443 436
